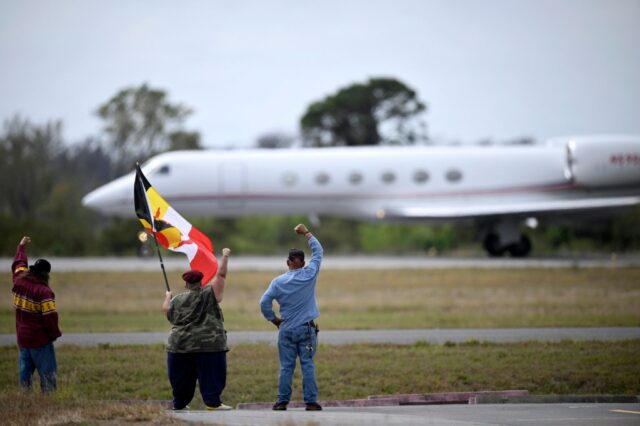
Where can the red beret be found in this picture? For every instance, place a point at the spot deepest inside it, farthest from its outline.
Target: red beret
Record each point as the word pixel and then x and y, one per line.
pixel 193 276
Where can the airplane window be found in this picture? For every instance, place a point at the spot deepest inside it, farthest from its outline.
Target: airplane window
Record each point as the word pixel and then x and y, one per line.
pixel 420 176
pixel 355 178
pixel 289 179
pixel 322 178
pixel 454 175
pixel 388 177
pixel 159 170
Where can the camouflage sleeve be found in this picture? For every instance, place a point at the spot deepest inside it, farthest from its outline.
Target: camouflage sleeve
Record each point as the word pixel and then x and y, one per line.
pixel 170 312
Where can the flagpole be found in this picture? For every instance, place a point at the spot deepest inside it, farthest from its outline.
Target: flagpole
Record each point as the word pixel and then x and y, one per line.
pixel 166 281
pixel 164 273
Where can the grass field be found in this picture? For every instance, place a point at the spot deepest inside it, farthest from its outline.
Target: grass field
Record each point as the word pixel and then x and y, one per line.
pixel 139 372
pixel 118 301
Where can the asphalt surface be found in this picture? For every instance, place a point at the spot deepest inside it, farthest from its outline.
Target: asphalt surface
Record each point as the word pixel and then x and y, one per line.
pixel 277 263
pixel 578 414
pixel 344 337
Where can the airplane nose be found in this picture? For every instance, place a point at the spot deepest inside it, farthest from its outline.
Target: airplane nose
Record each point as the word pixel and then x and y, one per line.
pixel 114 198
pixel 94 200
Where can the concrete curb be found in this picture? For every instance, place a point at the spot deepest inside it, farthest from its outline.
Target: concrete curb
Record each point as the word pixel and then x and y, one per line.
pixel 329 403
pixel 558 399
pixel 449 397
pixel 397 400
pixel 517 396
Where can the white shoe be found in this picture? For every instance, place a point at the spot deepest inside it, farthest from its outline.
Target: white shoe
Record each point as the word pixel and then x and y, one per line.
pixel 220 407
pixel 186 407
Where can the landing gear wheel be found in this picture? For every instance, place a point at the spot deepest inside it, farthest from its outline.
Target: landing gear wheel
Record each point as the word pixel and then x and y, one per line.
pixel 521 248
pixel 492 245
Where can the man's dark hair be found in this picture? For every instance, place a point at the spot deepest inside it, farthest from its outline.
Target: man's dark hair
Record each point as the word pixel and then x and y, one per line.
pixel 40 270
pixel 41 267
pixel 296 253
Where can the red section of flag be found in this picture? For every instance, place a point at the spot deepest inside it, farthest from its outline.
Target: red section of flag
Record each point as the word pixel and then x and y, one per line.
pixel 200 238
pixel 204 260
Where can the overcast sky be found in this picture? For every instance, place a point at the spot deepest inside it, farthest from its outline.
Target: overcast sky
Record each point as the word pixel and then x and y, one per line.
pixel 486 68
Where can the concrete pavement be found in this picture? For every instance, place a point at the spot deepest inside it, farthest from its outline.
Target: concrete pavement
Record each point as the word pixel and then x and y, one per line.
pixel 565 414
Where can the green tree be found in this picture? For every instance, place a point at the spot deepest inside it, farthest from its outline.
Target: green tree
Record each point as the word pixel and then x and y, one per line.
pixel 275 140
pixel 41 184
pixel 26 171
pixel 184 140
pixel 381 111
pixel 140 122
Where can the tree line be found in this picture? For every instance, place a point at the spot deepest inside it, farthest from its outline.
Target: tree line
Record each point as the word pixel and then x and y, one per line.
pixel 43 179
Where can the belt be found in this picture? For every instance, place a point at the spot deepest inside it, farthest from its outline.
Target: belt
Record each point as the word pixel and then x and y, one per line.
pixel 310 323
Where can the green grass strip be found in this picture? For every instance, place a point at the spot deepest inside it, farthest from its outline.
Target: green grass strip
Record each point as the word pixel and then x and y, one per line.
pixel 355 371
pixel 535 297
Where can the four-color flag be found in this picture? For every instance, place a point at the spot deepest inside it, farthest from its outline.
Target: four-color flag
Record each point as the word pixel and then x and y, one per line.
pixel 171 230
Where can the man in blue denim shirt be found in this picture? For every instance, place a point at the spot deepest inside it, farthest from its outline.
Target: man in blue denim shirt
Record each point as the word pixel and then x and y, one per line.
pixel 295 293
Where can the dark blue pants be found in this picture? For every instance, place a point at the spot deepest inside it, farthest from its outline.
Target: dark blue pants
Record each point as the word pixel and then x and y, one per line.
pixel 208 368
pixel 42 359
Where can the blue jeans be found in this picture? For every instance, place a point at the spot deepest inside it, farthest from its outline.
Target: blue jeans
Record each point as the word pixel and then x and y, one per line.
pixel 301 341
pixel 44 360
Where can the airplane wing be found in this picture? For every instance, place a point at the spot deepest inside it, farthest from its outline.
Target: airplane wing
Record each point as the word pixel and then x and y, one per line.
pixel 500 209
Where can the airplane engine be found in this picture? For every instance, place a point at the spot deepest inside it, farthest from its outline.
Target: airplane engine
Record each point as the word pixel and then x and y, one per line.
pixel 604 161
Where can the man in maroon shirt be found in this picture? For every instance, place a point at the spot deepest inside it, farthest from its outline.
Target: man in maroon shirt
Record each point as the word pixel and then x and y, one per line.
pixel 36 319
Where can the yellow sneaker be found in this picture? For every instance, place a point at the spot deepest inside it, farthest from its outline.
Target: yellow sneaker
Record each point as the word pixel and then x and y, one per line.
pixel 220 407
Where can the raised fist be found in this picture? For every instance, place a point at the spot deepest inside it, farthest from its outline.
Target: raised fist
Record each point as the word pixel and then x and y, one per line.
pixel 301 229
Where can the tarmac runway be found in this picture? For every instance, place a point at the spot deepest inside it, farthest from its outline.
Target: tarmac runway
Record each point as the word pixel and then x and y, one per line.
pixel 277 263
pixel 344 337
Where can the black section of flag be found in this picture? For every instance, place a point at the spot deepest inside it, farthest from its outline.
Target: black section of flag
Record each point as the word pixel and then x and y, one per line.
pixel 140 187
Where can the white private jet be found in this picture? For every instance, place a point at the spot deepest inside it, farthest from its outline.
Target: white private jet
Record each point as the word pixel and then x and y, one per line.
pixel 499 187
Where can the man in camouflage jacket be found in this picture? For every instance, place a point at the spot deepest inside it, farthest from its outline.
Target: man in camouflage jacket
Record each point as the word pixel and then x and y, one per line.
pixel 197 346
